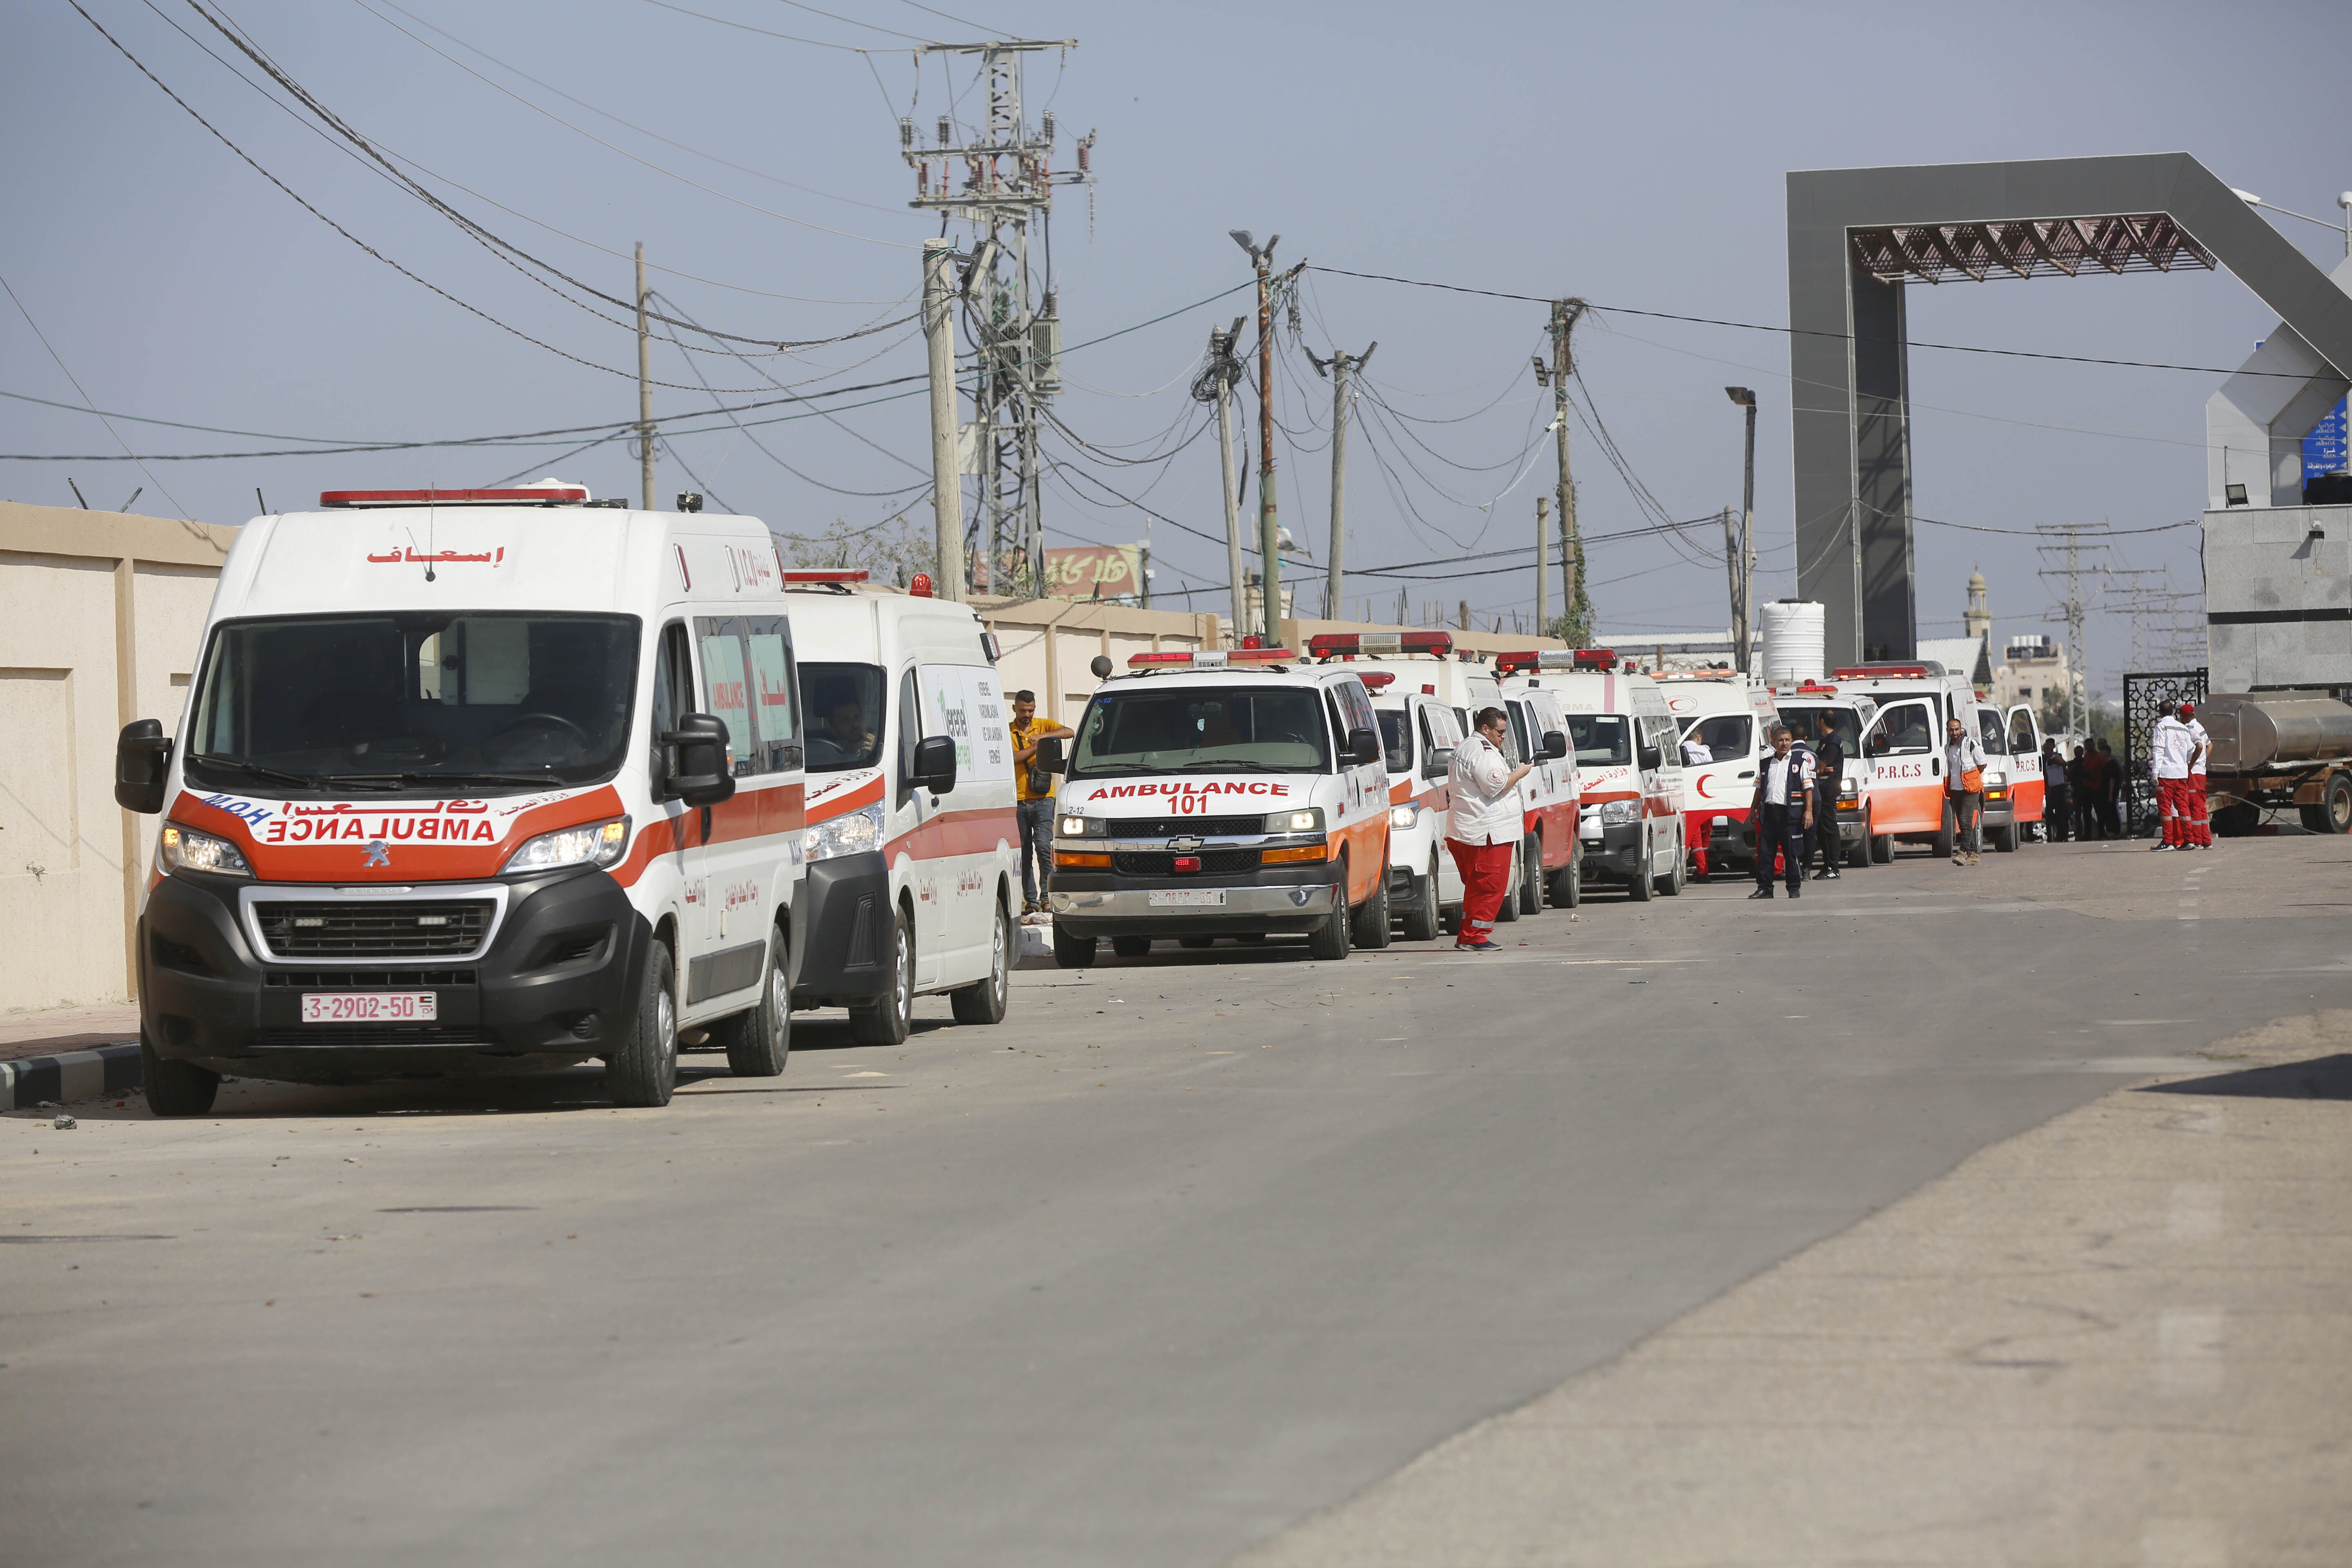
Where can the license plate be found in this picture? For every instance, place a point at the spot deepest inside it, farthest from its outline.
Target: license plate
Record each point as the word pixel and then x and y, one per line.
pixel 369 1007
pixel 1188 899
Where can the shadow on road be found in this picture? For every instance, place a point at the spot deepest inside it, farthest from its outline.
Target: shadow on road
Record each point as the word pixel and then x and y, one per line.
pixel 2325 1078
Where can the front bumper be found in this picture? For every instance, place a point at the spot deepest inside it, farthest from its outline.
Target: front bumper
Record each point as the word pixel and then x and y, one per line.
pixel 1999 812
pixel 843 925
pixel 1300 902
pixel 1619 852
pixel 558 983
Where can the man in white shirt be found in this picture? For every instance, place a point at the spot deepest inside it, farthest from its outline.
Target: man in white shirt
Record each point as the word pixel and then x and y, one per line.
pixel 2200 826
pixel 1782 812
pixel 2174 746
pixel 1484 825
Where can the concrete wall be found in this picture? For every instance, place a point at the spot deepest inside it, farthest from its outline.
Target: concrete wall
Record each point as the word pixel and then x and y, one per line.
pixel 100 617
pixel 2278 601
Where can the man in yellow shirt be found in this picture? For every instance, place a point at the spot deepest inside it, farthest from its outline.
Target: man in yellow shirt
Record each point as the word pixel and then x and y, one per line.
pixel 1036 806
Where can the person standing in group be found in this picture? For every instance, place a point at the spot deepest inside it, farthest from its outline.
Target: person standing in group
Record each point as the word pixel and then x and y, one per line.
pixel 1695 752
pixel 2201 821
pixel 1829 775
pixel 2082 781
pixel 1483 827
pixel 1964 765
pixel 1783 811
pixel 1035 786
pixel 2057 802
pixel 2173 745
pixel 2111 790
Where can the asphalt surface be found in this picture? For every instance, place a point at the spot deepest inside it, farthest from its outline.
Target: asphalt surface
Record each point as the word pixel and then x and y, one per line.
pixel 1187 1249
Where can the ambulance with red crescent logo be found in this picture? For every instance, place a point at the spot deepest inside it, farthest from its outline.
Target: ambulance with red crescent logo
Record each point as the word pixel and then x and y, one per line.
pixel 1805 707
pixel 1725 721
pixel 910 760
pixel 1222 794
pixel 475 782
pixel 1905 745
pixel 1629 762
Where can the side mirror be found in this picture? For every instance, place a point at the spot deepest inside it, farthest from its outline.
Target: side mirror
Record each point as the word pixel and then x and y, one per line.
pixel 1875 746
pixel 1438 764
pixel 935 763
pixel 1363 745
pixel 142 759
pixel 1049 758
pixel 1555 745
pixel 699 776
pixel 1648 757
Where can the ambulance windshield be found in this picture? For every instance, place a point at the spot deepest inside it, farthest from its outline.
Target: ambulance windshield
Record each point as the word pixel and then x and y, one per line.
pixel 844 704
pixel 1202 729
pixel 1601 740
pixel 1805 723
pixel 421 703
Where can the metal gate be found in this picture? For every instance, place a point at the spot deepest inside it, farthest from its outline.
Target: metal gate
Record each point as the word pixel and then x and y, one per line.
pixel 2147 698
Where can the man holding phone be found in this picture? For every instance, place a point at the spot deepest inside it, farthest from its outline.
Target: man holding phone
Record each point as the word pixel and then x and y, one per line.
pixel 1034 785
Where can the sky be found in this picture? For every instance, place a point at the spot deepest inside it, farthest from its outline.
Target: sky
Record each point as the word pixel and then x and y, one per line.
pixel 1633 156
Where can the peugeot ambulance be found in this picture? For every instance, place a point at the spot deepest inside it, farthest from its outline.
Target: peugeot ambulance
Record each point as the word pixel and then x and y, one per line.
pixel 1628 755
pixel 1803 708
pixel 1728 717
pixel 1216 793
pixel 910 753
pixel 481 781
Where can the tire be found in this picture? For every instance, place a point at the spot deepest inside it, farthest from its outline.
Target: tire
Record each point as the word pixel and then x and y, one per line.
pixel 1642 884
pixel 174 1088
pixel 759 1040
pixel 1945 835
pixel 1857 854
pixel 885 1020
pixel 1371 926
pixel 1508 909
pixel 644 1070
pixel 1196 942
pixel 1531 875
pixel 2336 810
pixel 1421 917
pixel 1672 883
pixel 2004 839
pixel 1330 939
pixel 1131 946
pixel 984 1001
pixel 1073 951
pixel 1567 885
pixel 1881 847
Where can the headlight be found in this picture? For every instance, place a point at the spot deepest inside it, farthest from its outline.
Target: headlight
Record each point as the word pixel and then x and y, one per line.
pixel 1082 826
pixel 1403 815
pixel 589 843
pixel 185 849
pixel 1996 778
pixel 1308 821
pixel 1617 813
pixel 851 833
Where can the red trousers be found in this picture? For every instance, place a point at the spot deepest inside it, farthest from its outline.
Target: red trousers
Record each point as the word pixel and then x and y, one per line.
pixel 2172 796
pixel 1485 875
pixel 2200 824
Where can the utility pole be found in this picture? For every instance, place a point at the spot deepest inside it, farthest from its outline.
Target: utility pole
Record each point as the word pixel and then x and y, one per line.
pixel 1269 540
pixel 2078 670
pixel 1215 385
pixel 1574 605
pixel 947 480
pixel 1731 572
pixel 1337 367
pixel 1744 572
pixel 645 393
pixel 1543 562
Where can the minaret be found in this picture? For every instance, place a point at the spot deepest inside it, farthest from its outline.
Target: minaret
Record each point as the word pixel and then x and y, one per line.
pixel 1979 619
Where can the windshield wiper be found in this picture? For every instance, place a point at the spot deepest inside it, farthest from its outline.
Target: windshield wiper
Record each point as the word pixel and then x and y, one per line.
pixel 256 770
pixel 428 780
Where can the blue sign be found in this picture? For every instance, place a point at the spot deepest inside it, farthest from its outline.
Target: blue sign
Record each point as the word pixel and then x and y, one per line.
pixel 2324 449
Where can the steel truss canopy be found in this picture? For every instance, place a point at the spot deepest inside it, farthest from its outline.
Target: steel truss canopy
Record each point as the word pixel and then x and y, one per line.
pixel 1946 253
pixel 1858 236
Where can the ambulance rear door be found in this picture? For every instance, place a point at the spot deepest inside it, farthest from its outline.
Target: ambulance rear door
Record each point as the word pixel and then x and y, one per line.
pixel 965 829
pixel 2025 788
pixel 749 683
pixel 1906 766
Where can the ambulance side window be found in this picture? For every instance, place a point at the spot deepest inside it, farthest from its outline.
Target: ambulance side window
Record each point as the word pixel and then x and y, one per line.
pixel 727 686
pixel 1338 728
pixel 673 694
pixel 2021 734
pixel 775 683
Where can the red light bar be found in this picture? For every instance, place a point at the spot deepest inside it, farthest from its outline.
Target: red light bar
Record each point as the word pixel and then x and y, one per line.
pixel 1376 679
pixel 1512 663
pixel 1213 658
pixel 825 576
pixel 1882 672
pixel 1596 658
pixel 544 496
pixel 1326 645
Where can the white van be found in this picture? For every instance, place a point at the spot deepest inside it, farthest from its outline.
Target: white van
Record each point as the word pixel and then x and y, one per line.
pixel 1628 758
pixel 480 781
pixel 1729 717
pixel 1904 745
pixel 882 675
pixel 1552 856
pixel 1802 708
pixel 1217 794
pixel 1418 736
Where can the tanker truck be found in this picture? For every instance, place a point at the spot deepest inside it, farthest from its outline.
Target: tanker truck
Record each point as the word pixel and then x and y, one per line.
pixel 2276 752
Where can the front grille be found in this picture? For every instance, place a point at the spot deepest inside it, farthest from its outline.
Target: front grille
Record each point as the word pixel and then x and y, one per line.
pixel 1162 862
pixel 404 930
pixel 377 1036
pixel 369 979
pixel 1194 826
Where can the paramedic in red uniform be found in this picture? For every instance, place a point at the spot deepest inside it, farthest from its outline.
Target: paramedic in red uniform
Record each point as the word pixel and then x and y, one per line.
pixel 2200 824
pixel 1483 827
pixel 2174 748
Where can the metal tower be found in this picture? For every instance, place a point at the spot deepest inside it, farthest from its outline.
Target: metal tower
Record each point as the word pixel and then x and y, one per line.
pixel 1007 185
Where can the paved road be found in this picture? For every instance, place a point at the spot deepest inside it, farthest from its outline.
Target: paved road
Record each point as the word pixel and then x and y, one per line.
pixel 1188 1248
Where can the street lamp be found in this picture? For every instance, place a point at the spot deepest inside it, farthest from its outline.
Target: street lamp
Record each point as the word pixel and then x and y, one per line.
pixel 2344 201
pixel 1743 570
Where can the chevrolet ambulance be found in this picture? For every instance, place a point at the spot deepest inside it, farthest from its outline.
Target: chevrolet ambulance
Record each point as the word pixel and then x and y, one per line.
pixel 1731 717
pixel 1628 753
pixel 1802 708
pixel 1217 794
pixel 883 676
pixel 475 782
pixel 1905 745
pixel 2013 788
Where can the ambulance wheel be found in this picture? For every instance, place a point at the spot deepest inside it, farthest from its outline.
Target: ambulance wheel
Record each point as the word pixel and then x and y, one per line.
pixel 1567 885
pixel 1882 844
pixel 1531 876
pixel 1372 916
pixel 1073 952
pixel 1944 834
pixel 757 1040
pixel 1639 885
pixel 645 1070
pixel 1131 946
pixel 1857 854
pixel 1422 919
pixel 2004 839
pixel 885 1020
pixel 174 1088
pixel 1330 939
pixel 1672 885
pixel 1508 909
pixel 983 1000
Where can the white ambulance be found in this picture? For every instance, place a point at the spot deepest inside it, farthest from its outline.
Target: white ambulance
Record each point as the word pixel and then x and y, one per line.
pixel 884 675
pixel 1628 758
pixel 1728 716
pixel 1552 856
pixel 481 781
pixel 1216 793
pixel 2013 789
pixel 1904 745
pixel 1804 707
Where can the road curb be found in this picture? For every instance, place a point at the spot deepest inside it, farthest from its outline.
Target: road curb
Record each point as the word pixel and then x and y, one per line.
pixel 69 1076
